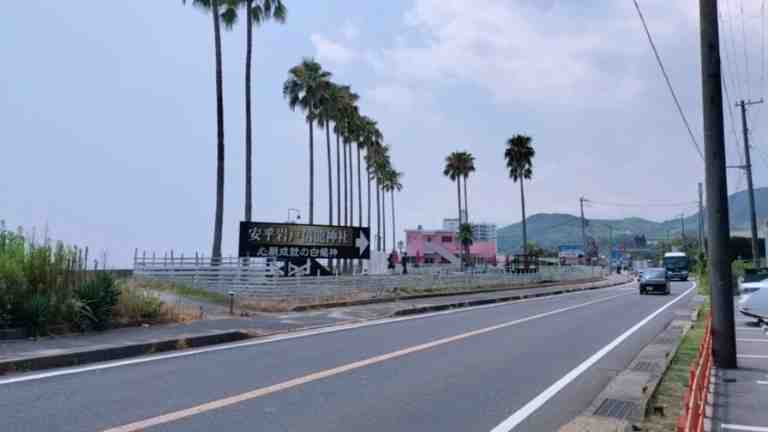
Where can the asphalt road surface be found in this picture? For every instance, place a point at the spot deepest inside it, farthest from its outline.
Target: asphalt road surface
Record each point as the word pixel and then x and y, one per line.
pixel 526 366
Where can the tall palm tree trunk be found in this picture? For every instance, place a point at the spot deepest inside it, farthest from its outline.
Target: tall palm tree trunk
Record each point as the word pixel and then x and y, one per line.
pixel 394 234
pixel 248 132
pixel 351 189
pixel 330 176
pixel 368 174
pixel 466 206
pixel 359 190
pixel 218 224
pixel 525 228
pixel 338 179
pixel 384 220
pixel 346 189
pixel 378 216
pixel 461 247
pixel 311 172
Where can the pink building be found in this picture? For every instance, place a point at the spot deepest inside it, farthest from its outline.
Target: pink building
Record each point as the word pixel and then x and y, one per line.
pixel 441 246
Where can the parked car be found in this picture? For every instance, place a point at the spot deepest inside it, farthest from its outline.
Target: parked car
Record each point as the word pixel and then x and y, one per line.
pixel 654 280
pixel 754 300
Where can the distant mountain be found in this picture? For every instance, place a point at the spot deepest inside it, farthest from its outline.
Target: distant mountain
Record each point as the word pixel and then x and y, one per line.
pixel 555 229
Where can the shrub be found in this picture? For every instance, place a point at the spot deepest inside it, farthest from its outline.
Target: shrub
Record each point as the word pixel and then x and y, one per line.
pixel 37 314
pixel 98 297
pixel 136 304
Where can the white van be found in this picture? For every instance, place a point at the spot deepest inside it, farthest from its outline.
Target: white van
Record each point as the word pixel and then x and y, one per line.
pixel 754 300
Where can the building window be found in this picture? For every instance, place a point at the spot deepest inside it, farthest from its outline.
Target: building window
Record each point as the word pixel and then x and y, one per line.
pixel 429 239
pixel 447 239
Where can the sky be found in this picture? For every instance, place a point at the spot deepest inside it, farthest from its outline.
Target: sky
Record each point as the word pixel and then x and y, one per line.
pixel 107 115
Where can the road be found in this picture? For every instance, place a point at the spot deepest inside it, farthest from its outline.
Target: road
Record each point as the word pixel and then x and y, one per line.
pixel 528 366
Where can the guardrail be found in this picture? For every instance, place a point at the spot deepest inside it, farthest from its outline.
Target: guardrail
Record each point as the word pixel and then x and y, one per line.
pixel 257 279
pixel 695 398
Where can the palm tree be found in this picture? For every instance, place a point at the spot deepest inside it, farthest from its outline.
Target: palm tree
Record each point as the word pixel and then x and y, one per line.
pixel 304 87
pixel 228 17
pixel 467 167
pixel 330 100
pixel 466 238
pixel 519 155
pixel 392 184
pixel 370 139
pixel 453 170
pixel 377 160
pixel 257 12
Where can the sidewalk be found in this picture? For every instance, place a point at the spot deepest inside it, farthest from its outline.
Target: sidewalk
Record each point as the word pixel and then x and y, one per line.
pixel 741 396
pixel 25 355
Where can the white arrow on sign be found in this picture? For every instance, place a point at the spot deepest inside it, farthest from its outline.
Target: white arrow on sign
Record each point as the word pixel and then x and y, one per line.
pixel 362 242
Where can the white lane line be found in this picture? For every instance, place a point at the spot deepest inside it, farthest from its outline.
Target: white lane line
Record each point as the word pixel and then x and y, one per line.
pixel 747 356
pixel 289 336
pixel 295 382
pixel 751 340
pixel 762 382
pixel 523 413
pixel 737 427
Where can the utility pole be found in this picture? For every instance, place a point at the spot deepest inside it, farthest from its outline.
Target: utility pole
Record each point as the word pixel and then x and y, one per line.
pixel 583 226
pixel 701 219
pixel 718 224
pixel 751 192
pixel 682 227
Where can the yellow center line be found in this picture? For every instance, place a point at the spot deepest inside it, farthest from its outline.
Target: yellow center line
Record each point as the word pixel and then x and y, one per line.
pixel 264 391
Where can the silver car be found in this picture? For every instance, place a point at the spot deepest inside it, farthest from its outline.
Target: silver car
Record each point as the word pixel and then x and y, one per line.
pixel 654 280
pixel 754 300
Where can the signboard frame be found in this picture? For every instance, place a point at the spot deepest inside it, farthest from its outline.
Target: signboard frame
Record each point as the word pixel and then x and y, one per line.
pixel 311 241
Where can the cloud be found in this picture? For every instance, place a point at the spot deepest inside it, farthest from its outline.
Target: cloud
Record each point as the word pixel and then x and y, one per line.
pixel 528 50
pixel 332 51
pixel 350 31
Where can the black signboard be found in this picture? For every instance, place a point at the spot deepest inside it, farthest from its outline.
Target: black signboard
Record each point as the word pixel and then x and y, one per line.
pixel 286 240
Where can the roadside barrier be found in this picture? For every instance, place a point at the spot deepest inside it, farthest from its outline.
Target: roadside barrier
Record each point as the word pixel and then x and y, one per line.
pixel 695 398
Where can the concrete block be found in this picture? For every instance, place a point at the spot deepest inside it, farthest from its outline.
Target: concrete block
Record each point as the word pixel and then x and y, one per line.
pixel 596 424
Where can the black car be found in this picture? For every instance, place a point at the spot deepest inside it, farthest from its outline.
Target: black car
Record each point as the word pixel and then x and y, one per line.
pixel 654 280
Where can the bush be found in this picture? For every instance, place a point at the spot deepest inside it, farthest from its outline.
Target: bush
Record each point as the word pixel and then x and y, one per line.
pixel 136 304
pixel 37 314
pixel 98 297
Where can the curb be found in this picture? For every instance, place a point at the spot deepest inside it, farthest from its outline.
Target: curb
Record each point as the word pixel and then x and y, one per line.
pixel 624 401
pixel 480 302
pixel 119 352
pixel 331 305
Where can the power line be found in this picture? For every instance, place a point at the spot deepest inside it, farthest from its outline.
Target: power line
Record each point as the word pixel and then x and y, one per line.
pixel 744 47
pixel 669 83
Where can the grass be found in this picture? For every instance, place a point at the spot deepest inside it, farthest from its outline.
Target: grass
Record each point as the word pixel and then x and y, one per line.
pixel 669 394
pixel 182 291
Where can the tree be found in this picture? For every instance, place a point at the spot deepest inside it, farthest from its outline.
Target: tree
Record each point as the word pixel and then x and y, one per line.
pixel 453 171
pixel 257 12
pixel 228 17
pixel 305 84
pixel 377 159
pixel 467 167
pixel 519 156
pixel 466 237
pixel 330 100
pixel 392 184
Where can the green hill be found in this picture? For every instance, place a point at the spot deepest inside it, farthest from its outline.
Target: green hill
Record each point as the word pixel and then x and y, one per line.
pixel 550 230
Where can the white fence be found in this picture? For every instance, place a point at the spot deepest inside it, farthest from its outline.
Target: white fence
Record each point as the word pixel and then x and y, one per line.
pixel 258 279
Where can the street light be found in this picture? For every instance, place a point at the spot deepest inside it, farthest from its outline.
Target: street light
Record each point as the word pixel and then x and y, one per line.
pixel 298 215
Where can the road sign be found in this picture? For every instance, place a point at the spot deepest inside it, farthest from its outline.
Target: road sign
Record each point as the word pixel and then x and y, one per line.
pixel 281 240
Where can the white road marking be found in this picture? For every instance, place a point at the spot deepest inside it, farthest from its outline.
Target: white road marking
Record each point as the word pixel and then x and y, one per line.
pixel 523 413
pixel 289 336
pixel 737 427
pixel 747 356
pixel 762 382
pixel 295 382
pixel 751 340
